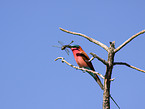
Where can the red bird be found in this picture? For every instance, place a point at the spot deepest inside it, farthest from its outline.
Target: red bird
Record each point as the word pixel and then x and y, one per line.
pixel 82 60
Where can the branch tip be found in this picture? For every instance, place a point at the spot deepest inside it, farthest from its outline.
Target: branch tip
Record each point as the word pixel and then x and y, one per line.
pixel 112 79
pixel 130 39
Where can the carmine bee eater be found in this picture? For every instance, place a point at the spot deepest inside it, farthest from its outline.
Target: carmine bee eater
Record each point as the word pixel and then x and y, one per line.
pixel 82 59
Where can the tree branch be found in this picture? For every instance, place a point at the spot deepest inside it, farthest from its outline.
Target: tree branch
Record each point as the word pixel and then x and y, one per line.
pixel 130 39
pixel 83 69
pixel 123 63
pixel 89 38
pixel 100 59
pixel 91 59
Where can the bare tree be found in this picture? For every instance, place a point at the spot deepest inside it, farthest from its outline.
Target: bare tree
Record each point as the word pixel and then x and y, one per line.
pixel 109 63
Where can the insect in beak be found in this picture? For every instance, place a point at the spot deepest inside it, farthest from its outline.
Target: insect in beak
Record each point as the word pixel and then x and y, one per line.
pixel 64 47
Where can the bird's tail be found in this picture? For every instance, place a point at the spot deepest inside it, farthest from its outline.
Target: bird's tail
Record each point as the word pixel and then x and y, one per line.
pixel 98 81
pixel 95 76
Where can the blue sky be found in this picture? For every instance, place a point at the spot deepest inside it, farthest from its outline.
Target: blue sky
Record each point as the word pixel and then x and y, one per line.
pixel 31 79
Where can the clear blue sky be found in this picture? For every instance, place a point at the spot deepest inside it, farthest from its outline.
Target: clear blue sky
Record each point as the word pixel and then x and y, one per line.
pixel 31 79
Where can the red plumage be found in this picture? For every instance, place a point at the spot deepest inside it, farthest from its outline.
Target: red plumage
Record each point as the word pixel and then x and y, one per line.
pixel 82 59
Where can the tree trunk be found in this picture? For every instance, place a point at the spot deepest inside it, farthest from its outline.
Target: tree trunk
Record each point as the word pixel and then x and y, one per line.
pixel 109 67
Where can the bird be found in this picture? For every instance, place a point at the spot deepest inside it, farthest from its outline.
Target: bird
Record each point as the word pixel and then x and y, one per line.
pixel 82 59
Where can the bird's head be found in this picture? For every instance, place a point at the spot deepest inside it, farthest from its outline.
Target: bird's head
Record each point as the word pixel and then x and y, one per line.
pixel 75 46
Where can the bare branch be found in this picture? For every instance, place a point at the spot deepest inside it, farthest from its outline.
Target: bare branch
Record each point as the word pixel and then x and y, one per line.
pixel 83 69
pixel 130 39
pixel 123 63
pixel 89 38
pixel 100 59
pixel 91 59
pixel 112 79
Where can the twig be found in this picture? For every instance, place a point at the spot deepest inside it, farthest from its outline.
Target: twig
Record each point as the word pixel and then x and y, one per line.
pixel 91 59
pixel 90 39
pixel 130 39
pixel 83 69
pixel 123 63
pixel 112 79
pixel 114 102
pixel 100 59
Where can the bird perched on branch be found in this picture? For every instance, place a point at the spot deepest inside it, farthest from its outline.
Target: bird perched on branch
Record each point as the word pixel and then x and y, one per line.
pixel 82 59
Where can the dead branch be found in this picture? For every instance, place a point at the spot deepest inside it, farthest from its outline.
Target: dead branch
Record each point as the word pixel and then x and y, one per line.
pixel 100 59
pixel 83 69
pixel 109 63
pixel 130 39
pixel 123 63
pixel 89 38
pixel 91 59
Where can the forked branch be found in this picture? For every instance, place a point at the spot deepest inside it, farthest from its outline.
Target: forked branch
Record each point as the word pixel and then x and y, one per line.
pixel 109 63
pixel 89 38
pixel 123 63
pixel 130 39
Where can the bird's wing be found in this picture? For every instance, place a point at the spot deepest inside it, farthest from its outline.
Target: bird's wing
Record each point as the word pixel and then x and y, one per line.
pixel 86 59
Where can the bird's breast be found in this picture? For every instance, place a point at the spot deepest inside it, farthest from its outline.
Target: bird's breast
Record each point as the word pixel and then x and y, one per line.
pixel 80 61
